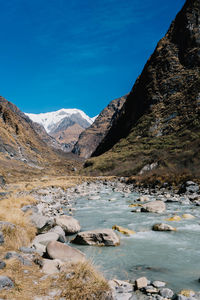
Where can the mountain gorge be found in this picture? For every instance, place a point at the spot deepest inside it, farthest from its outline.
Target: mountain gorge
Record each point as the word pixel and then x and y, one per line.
pixel 158 126
pixel 90 139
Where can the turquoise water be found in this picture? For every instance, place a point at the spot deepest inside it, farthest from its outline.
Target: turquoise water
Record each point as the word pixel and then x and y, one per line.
pixel 169 256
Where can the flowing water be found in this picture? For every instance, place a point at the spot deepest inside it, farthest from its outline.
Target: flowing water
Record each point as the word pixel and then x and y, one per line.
pixel 173 257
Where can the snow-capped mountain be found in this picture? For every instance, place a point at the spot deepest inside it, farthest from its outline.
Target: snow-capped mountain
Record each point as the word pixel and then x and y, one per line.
pixel 65 125
pixel 51 120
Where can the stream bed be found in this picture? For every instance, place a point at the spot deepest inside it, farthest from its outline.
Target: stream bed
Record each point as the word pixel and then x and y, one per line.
pixel 173 257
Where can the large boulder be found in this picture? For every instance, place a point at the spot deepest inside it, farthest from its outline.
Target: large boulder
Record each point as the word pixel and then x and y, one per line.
pixel 157 206
pixel 163 227
pixel 98 237
pixel 63 252
pixel 68 224
pixel 45 238
pixel 41 222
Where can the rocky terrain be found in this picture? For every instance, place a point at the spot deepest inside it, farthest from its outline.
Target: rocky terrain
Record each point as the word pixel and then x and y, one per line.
pixel 90 139
pixel 158 126
pixel 51 214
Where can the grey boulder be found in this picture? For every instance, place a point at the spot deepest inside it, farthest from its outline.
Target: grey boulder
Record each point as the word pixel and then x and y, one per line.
pixel 42 223
pixel 68 224
pixel 157 206
pixel 45 238
pixel 63 252
pixel 98 237
pixel 163 227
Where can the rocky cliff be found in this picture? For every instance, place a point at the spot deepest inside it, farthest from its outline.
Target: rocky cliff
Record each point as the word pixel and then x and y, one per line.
pixel 159 124
pixel 90 139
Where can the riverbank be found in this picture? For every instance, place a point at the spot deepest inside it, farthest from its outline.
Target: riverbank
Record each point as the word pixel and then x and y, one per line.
pixel 54 201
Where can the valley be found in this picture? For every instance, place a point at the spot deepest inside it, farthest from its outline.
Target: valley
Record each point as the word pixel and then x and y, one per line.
pixel 108 207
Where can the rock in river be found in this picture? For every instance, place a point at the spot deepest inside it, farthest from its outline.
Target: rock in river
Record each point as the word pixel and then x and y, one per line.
pixel 163 227
pixel 123 230
pixel 98 237
pixel 154 207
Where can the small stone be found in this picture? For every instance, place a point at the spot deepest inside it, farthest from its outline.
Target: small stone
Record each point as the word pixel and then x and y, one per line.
pixel 27 250
pixel 163 227
pixel 151 290
pixel 174 218
pixel 13 254
pixel 143 198
pixel 187 293
pixel 2 264
pixel 123 230
pixel 188 216
pixel 1 238
pixel 6 283
pixel 141 282
pixel 166 293
pixel 159 284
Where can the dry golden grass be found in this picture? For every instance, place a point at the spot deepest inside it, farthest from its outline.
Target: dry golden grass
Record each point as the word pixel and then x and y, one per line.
pixel 24 231
pixel 86 283
pixel 29 281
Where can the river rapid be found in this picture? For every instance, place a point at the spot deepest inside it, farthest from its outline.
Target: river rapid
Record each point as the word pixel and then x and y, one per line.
pixel 172 257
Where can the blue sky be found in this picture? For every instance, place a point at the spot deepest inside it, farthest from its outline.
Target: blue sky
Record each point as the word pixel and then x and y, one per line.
pixel 77 53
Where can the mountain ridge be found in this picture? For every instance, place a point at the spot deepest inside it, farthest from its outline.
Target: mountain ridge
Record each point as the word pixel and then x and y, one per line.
pixel 159 122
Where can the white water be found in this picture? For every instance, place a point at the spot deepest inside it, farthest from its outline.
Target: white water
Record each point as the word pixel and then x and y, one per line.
pixel 169 256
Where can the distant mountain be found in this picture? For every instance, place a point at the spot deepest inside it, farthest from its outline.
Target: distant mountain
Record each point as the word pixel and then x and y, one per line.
pixel 158 127
pixel 65 125
pixel 90 139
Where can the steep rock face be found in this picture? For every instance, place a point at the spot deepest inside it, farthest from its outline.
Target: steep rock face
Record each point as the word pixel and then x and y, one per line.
pixel 160 121
pixel 92 136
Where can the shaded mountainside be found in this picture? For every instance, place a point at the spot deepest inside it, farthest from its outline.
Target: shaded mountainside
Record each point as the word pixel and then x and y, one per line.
pixel 22 146
pixel 93 136
pixel 159 124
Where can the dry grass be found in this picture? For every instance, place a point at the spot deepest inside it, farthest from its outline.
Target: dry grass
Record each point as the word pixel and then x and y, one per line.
pixel 86 283
pixel 24 231
pixel 29 281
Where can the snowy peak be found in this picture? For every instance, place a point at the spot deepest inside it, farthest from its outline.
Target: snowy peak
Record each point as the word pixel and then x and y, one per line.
pixel 52 120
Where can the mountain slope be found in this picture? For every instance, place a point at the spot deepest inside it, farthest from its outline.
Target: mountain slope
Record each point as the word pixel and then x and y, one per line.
pixel 22 147
pixel 60 123
pixel 90 138
pixel 159 124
